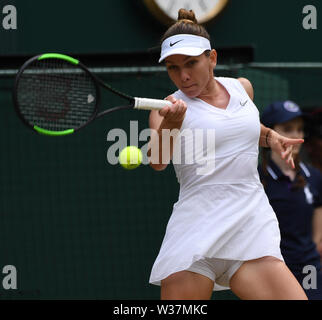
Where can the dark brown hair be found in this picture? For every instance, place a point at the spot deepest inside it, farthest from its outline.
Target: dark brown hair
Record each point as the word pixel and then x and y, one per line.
pixel 186 24
pixel 298 183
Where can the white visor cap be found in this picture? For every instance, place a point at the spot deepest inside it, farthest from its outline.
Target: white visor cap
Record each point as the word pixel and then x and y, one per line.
pixel 186 44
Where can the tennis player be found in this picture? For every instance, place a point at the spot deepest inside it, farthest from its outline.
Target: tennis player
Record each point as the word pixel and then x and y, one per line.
pixel 296 197
pixel 222 230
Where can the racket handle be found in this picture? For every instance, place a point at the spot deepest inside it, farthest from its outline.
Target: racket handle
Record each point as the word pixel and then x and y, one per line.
pixel 150 104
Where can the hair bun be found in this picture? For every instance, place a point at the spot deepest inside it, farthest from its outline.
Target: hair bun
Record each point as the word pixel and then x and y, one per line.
pixel 184 14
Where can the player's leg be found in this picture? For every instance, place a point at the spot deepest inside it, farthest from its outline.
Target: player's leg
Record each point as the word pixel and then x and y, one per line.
pixel 186 285
pixel 266 278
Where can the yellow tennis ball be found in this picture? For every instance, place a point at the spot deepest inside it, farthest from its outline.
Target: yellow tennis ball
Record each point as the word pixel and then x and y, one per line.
pixel 130 157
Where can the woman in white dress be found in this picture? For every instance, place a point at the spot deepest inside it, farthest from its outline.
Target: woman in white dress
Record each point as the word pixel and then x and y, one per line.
pixel 222 230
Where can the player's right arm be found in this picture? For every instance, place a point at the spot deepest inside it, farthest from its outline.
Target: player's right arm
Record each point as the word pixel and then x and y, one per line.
pixel 167 118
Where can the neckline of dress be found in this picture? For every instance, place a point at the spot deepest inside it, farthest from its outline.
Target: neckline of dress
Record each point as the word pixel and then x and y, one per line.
pixel 217 108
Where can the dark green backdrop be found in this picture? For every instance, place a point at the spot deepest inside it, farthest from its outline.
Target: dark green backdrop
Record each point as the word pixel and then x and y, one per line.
pixel 74 225
pixel 273 27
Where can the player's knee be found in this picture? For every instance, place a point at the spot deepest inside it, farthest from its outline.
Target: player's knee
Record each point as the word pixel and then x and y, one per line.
pixel 186 285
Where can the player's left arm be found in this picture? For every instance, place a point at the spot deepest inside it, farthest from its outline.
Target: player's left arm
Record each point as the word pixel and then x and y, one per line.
pixel 270 138
pixel 317 229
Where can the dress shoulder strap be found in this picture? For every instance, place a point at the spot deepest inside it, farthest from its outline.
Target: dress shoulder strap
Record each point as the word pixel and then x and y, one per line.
pixel 233 83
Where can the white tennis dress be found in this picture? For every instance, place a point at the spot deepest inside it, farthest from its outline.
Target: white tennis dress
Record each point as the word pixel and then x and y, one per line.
pixel 224 212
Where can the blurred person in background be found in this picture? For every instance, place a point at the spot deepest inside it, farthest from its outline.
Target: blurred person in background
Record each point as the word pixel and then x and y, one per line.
pixel 313 139
pixel 296 197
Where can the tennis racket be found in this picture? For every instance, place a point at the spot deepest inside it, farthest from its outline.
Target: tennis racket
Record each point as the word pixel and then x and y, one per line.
pixel 56 95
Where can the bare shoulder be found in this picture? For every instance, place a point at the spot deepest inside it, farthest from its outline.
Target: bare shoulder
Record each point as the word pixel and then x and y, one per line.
pixel 248 87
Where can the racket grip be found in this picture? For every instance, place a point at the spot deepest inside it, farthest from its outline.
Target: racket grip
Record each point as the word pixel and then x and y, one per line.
pixel 150 104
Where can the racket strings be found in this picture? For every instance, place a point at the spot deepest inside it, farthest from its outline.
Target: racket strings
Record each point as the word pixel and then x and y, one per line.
pixel 55 95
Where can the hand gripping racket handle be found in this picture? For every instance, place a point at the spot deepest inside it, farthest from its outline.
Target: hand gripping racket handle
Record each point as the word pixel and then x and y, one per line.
pixel 150 104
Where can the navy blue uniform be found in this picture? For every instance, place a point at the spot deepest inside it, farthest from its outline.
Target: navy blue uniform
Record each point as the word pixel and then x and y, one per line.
pixel 294 210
